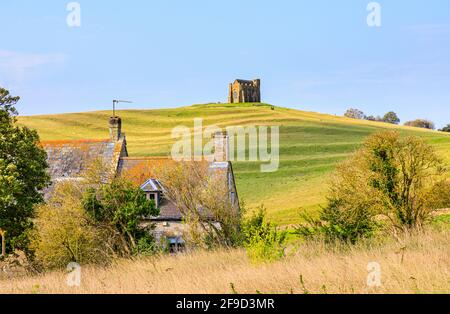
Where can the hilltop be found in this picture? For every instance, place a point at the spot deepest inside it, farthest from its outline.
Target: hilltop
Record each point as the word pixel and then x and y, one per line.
pixel 311 144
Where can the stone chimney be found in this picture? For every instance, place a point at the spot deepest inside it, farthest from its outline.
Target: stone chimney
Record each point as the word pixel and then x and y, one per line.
pixel 115 128
pixel 221 148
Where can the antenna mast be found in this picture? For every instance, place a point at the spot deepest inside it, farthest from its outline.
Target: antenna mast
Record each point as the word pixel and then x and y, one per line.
pixel 116 102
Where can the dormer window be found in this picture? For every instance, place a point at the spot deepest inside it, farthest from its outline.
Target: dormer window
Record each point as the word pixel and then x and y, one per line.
pixel 153 190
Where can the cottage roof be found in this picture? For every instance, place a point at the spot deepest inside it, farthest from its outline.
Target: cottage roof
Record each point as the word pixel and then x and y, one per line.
pixel 68 159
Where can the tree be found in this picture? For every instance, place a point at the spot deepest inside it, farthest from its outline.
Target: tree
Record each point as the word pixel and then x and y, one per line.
pixel 64 233
pixel 403 171
pixel 23 174
pixel 401 179
pixel 203 197
pixel 421 123
pixel 354 114
pixel 445 128
pixel 117 208
pixel 391 117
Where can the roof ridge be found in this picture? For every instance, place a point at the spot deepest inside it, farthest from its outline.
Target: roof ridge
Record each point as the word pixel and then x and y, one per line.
pixel 146 158
pixel 47 142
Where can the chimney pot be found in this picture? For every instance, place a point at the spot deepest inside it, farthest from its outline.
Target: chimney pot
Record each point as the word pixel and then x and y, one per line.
pixel 115 128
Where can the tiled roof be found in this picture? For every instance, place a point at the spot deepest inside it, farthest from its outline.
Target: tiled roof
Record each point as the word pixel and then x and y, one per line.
pixel 68 159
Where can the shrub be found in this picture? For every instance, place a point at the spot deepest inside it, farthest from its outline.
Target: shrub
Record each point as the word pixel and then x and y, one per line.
pixel 421 123
pixel 146 246
pixel 403 172
pixel 398 178
pixel 354 114
pixel 440 195
pixel 351 209
pixel 391 117
pixel 445 128
pixel 117 208
pixel 63 232
pixel 262 240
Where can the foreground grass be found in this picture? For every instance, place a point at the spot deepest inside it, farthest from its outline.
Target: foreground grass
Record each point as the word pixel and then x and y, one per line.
pixel 311 145
pixel 416 264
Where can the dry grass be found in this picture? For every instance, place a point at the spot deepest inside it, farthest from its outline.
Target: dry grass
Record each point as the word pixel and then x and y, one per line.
pixel 421 267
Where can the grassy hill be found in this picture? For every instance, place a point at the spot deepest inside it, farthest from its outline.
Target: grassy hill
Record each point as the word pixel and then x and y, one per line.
pixel 311 144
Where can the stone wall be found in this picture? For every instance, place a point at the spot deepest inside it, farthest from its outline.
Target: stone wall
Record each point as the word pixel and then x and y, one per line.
pixel 244 91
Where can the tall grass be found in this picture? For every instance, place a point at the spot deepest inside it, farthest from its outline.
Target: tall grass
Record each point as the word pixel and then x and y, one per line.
pixel 413 264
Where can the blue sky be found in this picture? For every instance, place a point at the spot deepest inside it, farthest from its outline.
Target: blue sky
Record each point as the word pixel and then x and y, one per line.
pixel 310 55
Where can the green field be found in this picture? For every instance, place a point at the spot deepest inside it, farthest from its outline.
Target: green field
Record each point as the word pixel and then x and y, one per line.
pixel 311 144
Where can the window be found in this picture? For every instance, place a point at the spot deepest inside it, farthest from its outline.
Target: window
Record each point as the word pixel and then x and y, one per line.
pixel 176 244
pixel 153 197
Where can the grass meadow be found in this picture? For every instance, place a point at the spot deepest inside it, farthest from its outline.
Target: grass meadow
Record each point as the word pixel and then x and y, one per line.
pixel 311 144
pixel 414 264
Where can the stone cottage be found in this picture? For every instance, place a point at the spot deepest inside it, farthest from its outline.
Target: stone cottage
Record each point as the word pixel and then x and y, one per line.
pixel 68 159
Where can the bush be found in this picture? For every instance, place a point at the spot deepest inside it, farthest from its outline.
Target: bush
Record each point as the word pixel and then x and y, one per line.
pixel 117 208
pixel 262 240
pixel 421 123
pixel 63 232
pixel 398 178
pixel 338 224
pixel 403 172
pixel 440 195
pixel 391 117
pixel 352 206
pixel 445 128
pixel 354 114
pixel 146 246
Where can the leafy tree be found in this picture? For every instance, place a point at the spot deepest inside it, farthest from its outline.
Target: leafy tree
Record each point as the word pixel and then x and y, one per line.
pixel 401 179
pixel 421 123
pixel 391 117
pixel 23 174
pixel 64 233
pixel 445 128
pixel 118 208
pixel 354 114
pixel 404 172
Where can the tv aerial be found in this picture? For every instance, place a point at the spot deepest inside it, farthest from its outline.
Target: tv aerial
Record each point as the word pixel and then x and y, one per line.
pixel 119 101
